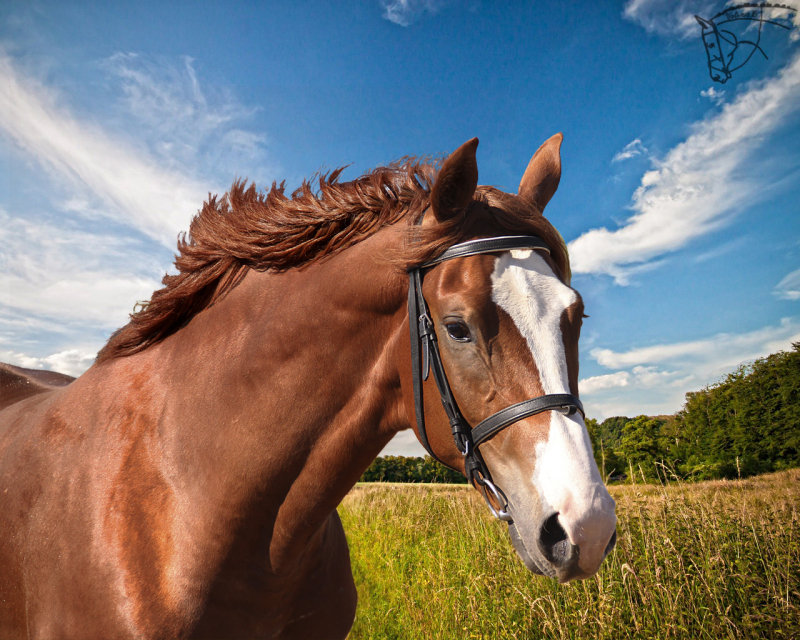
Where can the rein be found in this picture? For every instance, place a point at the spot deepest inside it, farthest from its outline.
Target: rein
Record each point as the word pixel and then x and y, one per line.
pixel 425 357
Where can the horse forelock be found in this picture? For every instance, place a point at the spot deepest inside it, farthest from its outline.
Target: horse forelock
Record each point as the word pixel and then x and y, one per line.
pixel 269 231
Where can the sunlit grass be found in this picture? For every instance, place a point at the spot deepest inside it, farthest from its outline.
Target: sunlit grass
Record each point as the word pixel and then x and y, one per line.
pixel 711 560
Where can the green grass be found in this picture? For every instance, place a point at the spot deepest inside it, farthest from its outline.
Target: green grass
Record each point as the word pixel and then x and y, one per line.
pixel 712 560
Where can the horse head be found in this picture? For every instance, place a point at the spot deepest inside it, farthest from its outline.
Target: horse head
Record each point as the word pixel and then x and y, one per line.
pixel 506 325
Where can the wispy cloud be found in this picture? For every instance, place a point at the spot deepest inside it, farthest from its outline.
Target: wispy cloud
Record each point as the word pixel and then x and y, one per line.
pixel 134 189
pixel 717 96
pixel 721 350
pixel 605 381
pixel 789 287
pixel 720 250
pixel 187 127
pixel 655 379
pixel 669 17
pixel 113 197
pixel 73 362
pixel 178 144
pixel 70 275
pixel 405 443
pixel 698 185
pixel 407 12
pixel 64 290
pixel 631 150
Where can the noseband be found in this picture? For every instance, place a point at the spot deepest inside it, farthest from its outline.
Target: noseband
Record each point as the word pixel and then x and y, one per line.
pixel 425 356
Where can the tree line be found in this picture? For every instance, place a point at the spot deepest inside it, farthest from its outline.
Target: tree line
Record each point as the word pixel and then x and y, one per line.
pixel 748 423
pixel 410 469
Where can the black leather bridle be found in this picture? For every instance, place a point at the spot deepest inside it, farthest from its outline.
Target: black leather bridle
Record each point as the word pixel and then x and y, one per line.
pixel 425 356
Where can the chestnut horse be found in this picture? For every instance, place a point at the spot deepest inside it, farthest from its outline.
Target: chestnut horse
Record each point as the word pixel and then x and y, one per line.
pixel 186 485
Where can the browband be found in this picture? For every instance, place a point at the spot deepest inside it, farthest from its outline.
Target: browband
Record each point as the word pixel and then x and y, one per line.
pixel 488 245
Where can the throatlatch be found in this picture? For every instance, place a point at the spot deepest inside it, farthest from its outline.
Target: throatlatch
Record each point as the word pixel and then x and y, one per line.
pixel 425 357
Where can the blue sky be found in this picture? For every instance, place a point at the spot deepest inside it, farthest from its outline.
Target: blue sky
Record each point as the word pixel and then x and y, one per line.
pixel 678 197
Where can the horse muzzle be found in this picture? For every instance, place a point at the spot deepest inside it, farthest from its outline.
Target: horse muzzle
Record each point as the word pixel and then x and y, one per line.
pixel 551 553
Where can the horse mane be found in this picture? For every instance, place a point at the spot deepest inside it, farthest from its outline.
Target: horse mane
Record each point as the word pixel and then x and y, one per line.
pixel 250 229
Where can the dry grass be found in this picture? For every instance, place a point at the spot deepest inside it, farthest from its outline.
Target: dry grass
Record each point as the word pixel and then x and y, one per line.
pixel 711 560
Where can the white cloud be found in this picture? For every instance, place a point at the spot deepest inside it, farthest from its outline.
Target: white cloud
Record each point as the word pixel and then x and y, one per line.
pixel 134 189
pixel 717 96
pixel 606 381
pixel 75 276
pixel 639 376
pixel 407 12
pixel 153 164
pixel 698 186
pixel 650 377
pixel 631 150
pixel 186 127
pixel 789 287
pixel 719 351
pixel 669 17
pixel 117 187
pixel 655 379
pixel 404 443
pixel 676 18
pixel 73 362
pixel 780 14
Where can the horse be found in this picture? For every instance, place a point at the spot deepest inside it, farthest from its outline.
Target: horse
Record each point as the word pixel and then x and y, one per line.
pixel 186 485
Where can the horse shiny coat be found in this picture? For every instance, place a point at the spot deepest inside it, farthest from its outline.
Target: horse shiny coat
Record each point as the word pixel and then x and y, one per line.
pixel 185 486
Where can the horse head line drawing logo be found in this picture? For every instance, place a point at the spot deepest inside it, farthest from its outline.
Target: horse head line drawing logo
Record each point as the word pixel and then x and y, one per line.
pixel 725 51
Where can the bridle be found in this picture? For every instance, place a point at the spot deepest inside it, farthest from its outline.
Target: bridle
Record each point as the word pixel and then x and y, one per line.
pixel 425 356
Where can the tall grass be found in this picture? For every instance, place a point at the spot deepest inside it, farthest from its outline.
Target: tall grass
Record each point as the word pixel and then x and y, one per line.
pixel 712 560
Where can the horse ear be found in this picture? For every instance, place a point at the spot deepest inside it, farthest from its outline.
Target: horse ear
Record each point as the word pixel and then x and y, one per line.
pixel 704 23
pixel 456 182
pixel 541 178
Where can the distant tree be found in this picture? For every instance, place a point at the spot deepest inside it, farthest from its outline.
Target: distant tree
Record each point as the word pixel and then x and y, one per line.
pixel 748 423
pixel 605 438
pixel 608 462
pixel 410 469
pixel 611 430
pixel 641 445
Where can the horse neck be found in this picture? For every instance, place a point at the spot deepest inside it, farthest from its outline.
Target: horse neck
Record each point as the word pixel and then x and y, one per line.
pixel 278 397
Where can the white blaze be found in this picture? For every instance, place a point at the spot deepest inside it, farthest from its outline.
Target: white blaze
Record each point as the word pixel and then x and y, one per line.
pixel 565 474
pixel 525 287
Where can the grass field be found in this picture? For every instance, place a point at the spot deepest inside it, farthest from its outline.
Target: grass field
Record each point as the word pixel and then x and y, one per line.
pixel 712 560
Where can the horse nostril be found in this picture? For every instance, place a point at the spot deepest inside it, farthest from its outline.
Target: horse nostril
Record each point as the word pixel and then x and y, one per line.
pixel 553 541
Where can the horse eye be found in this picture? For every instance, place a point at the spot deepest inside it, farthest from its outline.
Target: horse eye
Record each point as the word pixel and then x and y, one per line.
pixel 458 331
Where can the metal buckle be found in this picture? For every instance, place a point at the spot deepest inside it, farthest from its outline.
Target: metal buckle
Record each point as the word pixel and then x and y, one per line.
pixel 488 487
pixel 425 325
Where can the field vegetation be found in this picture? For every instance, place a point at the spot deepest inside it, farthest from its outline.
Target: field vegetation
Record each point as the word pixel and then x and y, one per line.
pixel 717 559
